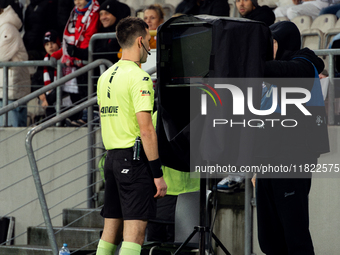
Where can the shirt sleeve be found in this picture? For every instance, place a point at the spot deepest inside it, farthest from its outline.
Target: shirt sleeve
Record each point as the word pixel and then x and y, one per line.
pixel 142 93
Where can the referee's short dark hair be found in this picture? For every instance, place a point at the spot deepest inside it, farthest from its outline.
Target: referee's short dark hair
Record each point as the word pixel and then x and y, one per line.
pixel 128 29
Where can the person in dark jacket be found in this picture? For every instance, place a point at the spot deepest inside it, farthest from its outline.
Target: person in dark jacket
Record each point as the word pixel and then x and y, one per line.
pixel 40 16
pixel 282 199
pixel 47 74
pixel 110 13
pixel 250 9
pixel 210 7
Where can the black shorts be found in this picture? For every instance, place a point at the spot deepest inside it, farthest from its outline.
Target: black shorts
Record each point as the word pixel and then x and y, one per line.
pixel 129 187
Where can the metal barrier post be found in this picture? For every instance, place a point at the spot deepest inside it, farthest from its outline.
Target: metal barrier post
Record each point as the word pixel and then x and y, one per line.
pixel 58 101
pixel 40 191
pixel 91 136
pixel 248 216
pixel 35 171
pixel 331 95
pixel 5 95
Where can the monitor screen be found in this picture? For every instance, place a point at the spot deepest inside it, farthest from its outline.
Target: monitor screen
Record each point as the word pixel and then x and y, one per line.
pixel 190 53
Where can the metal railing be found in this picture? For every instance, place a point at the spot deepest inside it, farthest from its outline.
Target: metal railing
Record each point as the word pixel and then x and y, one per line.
pixel 331 91
pixel 7 65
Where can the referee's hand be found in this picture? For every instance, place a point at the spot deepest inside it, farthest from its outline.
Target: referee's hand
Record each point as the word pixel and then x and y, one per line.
pixel 161 187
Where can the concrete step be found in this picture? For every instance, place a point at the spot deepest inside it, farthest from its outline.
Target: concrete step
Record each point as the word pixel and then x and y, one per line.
pixel 25 250
pixel 83 218
pixel 35 250
pixel 74 237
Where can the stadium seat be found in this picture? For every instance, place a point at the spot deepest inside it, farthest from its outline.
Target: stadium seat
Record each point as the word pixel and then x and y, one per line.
pixel 169 10
pixel 330 33
pixel 232 8
pixel 303 22
pixel 314 38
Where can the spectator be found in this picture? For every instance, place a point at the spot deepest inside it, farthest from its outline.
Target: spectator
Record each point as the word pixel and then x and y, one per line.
pixel 17 7
pixel 298 8
pixel 282 200
pixel 82 24
pixel 154 16
pixel 63 14
pixel 40 16
pixel 12 49
pixel 250 9
pixel 110 13
pixel 46 74
pixel 210 7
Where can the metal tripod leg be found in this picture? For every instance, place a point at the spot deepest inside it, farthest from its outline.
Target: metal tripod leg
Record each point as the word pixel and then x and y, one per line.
pixel 186 240
pixel 220 244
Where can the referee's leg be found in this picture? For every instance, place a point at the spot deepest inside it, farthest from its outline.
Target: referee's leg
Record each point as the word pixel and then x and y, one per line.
pixel 111 236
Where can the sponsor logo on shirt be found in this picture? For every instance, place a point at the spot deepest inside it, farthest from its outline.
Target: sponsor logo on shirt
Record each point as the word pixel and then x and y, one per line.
pixel 145 78
pixel 145 93
pixel 109 111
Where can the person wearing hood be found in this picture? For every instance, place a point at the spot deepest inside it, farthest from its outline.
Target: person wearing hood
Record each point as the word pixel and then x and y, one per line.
pixel 17 7
pixel 250 9
pixel 13 49
pixel 111 12
pixel 282 199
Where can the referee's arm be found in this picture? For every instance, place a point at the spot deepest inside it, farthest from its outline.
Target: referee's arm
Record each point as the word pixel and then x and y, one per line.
pixel 149 139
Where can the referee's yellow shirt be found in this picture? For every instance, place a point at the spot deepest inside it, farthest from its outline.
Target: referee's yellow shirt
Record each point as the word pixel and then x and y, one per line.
pixel 122 91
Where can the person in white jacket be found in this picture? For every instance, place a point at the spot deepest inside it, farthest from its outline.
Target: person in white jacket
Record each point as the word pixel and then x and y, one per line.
pixel 12 49
pixel 298 8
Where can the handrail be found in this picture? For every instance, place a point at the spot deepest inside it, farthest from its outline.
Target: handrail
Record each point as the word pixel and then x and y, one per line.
pixel 54 84
pixel 43 126
pixel 5 65
pixel 331 92
pixel 35 171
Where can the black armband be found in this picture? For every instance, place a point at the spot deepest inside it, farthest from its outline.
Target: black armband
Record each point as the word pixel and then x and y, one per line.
pixel 156 168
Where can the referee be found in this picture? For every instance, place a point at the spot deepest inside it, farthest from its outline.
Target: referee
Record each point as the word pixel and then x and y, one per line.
pixel 134 178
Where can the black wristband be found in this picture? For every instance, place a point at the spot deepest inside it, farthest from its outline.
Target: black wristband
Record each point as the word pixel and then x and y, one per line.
pixel 156 168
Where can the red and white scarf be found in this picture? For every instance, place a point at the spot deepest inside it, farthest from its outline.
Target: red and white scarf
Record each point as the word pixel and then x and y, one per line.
pixel 69 33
